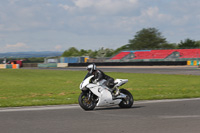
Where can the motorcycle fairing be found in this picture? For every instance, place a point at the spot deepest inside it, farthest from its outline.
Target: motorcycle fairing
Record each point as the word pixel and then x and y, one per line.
pixel 120 82
pixel 105 97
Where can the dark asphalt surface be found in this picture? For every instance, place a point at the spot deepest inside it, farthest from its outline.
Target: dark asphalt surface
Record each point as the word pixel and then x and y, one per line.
pixel 144 117
pixel 182 70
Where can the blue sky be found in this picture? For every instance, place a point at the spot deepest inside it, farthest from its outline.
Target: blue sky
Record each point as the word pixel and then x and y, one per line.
pixel 56 25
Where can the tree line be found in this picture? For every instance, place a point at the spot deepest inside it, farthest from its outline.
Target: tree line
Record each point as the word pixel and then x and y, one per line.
pixel 145 39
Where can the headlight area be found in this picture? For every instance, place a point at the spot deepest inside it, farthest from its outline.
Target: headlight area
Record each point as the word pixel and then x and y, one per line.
pixel 85 89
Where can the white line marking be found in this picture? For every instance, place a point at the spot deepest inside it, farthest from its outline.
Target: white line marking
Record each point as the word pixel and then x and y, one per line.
pixel 166 100
pixel 38 108
pixel 179 117
pixel 73 106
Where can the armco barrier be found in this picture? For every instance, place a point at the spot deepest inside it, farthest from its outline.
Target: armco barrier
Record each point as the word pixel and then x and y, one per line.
pixel 46 65
pixel 156 63
pixel 30 64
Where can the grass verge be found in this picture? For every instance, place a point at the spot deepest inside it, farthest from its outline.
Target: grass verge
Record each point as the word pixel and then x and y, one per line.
pixel 22 87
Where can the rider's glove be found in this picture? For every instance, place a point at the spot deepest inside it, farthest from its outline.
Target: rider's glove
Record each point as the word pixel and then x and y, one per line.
pixel 95 81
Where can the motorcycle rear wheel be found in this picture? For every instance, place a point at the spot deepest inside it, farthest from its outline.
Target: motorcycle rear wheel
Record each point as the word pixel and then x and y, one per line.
pixel 128 101
pixel 85 102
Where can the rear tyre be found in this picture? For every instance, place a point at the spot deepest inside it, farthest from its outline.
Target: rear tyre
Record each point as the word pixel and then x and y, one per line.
pixel 85 102
pixel 128 101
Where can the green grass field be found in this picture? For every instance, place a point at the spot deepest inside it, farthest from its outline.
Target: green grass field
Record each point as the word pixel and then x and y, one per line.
pixel 23 87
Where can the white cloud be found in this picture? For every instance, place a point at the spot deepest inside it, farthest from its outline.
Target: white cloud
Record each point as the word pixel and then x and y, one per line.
pixel 103 7
pixel 180 21
pixel 84 3
pixel 42 23
pixel 58 48
pixel 66 7
pixel 14 47
pixel 13 1
pixel 150 12
pixel 17 45
pixel 1 26
pixel 154 14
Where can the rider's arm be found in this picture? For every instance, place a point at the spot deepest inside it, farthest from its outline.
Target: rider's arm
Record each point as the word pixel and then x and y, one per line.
pixel 99 76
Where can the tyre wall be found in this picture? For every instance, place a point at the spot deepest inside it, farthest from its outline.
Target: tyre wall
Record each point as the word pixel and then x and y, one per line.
pixel 9 66
pixel 157 63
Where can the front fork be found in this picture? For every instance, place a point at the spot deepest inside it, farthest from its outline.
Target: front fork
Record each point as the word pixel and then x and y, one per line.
pixel 91 97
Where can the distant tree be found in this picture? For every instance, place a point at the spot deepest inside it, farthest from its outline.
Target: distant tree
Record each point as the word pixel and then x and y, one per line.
pixel 188 43
pixel 125 47
pixel 109 52
pixel 71 52
pixel 149 38
pixel 104 52
pixel 198 43
pixel 32 60
pixel 92 54
pixel 101 53
pixel 83 52
pixel 89 53
pixel 169 46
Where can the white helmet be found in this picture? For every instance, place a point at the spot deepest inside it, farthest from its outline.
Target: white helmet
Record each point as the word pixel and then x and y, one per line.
pixel 91 68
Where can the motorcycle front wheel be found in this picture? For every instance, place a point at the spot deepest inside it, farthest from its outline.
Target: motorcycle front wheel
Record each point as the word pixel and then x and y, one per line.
pixel 128 101
pixel 85 102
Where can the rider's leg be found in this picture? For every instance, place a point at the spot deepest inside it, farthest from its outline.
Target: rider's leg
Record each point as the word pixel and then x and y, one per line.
pixel 110 84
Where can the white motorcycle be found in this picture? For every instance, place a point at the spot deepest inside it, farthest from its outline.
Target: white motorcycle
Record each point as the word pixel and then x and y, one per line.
pixel 98 94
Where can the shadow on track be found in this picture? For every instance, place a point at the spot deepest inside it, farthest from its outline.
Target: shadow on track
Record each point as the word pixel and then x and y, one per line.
pixel 117 108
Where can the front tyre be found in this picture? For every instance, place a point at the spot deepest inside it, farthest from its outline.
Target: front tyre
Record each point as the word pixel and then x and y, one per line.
pixel 128 101
pixel 85 102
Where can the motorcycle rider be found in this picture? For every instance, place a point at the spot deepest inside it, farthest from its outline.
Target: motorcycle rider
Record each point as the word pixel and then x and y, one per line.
pixel 99 75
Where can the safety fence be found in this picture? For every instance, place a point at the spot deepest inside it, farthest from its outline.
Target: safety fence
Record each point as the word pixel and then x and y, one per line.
pixel 63 65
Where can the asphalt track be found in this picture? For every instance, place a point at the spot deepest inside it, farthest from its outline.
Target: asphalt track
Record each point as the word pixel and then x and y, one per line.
pixel 182 70
pixel 162 116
